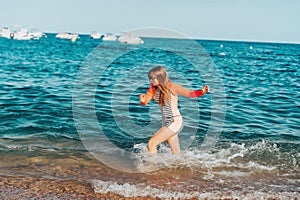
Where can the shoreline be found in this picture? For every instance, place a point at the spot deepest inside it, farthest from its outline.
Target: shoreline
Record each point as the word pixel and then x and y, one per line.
pixel 20 187
pixel 42 188
pixel 77 175
pixel 81 177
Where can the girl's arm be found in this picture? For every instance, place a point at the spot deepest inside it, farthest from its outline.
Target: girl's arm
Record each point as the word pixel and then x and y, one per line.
pixel 178 89
pixel 144 99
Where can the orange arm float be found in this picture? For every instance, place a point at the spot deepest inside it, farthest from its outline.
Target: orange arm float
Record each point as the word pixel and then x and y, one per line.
pixel 178 89
pixel 149 95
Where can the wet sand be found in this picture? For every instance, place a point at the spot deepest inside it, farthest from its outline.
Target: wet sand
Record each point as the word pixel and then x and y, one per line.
pixel 69 175
pixel 12 188
pixel 24 175
pixel 27 175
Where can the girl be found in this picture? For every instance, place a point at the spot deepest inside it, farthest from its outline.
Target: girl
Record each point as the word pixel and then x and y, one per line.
pixel 164 92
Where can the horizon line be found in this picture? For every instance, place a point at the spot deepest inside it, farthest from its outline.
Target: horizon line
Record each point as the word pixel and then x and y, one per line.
pixel 192 38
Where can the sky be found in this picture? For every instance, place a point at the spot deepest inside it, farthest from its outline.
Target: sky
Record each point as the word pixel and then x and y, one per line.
pixel 242 20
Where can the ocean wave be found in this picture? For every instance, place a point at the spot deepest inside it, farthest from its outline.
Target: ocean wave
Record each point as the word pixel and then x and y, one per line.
pixel 142 190
pixel 252 158
pixel 42 141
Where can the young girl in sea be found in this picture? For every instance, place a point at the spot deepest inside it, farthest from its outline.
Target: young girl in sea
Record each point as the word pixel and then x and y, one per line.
pixel 164 92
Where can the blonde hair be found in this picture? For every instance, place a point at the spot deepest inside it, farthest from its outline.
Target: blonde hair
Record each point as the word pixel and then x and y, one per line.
pixel 160 74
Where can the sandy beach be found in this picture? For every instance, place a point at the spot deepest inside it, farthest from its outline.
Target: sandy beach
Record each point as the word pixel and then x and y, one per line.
pixel 73 177
pixel 12 188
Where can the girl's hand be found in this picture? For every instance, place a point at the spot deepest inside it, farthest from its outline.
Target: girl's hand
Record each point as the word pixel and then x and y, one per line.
pixel 205 89
pixel 142 98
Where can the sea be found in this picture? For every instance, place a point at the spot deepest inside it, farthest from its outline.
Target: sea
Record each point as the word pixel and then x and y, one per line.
pixel 71 111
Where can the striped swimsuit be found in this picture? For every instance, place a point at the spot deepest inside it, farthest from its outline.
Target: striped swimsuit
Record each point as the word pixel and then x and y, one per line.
pixel 171 116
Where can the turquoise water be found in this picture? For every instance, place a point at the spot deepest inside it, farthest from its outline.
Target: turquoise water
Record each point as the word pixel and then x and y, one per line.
pixel 259 138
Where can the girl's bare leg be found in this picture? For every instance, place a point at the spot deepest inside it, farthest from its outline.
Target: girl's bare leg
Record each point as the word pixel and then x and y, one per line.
pixel 174 144
pixel 160 136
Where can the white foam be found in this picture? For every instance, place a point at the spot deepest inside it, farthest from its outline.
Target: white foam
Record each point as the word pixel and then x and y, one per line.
pixel 231 156
pixel 257 166
pixel 146 162
pixel 142 190
pixel 131 190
